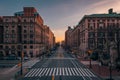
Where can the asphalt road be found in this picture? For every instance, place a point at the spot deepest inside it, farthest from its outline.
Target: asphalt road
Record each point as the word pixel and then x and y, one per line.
pixel 61 66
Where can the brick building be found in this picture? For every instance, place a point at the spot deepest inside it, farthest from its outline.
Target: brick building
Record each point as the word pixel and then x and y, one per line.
pixel 23 32
pixel 96 32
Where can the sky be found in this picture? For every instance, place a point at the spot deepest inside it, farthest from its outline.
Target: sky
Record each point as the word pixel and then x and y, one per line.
pixel 59 14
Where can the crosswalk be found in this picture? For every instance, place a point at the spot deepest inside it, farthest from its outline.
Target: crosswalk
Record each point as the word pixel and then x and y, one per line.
pixel 39 72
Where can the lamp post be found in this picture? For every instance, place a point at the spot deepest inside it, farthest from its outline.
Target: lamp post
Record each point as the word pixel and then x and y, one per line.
pixel 89 53
pixel 21 69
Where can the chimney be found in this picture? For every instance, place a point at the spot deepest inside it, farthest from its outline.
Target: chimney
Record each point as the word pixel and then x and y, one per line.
pixel 110 11
pixel 69 27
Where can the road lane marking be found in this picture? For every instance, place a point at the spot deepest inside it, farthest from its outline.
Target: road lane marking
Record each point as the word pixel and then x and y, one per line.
pixel 54 71
pixel 81 71
pixel 44 71
pixel 34 72
pixel 48 71
pixel 29 73
pixel 51 72
pixel 69 71
pixel 66 71
pixel 87 72
pixel 41 72
pixel 72 71
pixel 57 72
pixel 63 71
pixel 75 71
pixel 38 72
pixel 60 71
pixel 90 72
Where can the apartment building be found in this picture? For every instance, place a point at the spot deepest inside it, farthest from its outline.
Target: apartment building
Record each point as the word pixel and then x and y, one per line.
pixel 22 33
pixel 96 32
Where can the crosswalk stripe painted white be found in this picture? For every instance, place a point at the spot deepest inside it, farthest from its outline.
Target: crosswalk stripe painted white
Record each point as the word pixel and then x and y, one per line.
pixel 63 71
pixel 35 72
pixel 44 72
pixel 75 71
pixel 69 71
pixel 81 72
pixel 54 71
pixel 57 72
pixel 90 72
pixel 47 72
pixel 66 71
pixel 38 72
pixel 41 72
pixel 87 72
pixel 72 71
pixel 60 71
pixel 51 72
pixel 31 72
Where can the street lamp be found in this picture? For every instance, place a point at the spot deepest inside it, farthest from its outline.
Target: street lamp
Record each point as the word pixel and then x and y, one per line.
pixel 22 55
pixel 89 53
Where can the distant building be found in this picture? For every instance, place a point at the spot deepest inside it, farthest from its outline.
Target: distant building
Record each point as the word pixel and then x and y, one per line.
pixel 23 32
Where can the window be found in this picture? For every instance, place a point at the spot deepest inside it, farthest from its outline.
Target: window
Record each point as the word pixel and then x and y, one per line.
pixel 25 41
pixel 31 35
pixel 6 31
pixel 13 35
pixel 25 47
pixel 31 47
pixel 13 26
pixel 25 31
pixel 31 26
pixel 6 26
pixel 13 31
pixel 1 47
pixel 19 47
pixel 25 36
pixel 31 21
pixel 6 20
pixel 91 34
pixel 13 41
pixel 31 31
pixel 24 20
pixel 31 41
pixel 6 41
pixel 25 26
pixel 6 47
pixel 100 34
pixel 13 47
pixel 7 36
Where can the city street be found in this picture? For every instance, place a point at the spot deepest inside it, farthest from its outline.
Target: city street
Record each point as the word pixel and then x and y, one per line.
pixel 60 66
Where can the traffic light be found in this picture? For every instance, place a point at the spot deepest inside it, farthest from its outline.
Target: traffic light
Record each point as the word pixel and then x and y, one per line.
pixel 89 52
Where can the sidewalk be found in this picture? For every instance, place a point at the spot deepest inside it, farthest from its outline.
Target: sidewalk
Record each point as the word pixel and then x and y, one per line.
pixel 9 73
pixel 102 71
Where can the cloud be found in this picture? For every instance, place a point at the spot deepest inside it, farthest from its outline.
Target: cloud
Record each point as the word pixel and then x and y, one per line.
pixel 98 7
pixel 103 6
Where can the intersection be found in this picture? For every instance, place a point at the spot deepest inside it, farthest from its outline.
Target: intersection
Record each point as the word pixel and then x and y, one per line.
pixel 62 66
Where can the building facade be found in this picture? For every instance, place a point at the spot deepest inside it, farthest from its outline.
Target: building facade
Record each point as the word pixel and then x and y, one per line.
pixel 23 32
pixel 96 32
